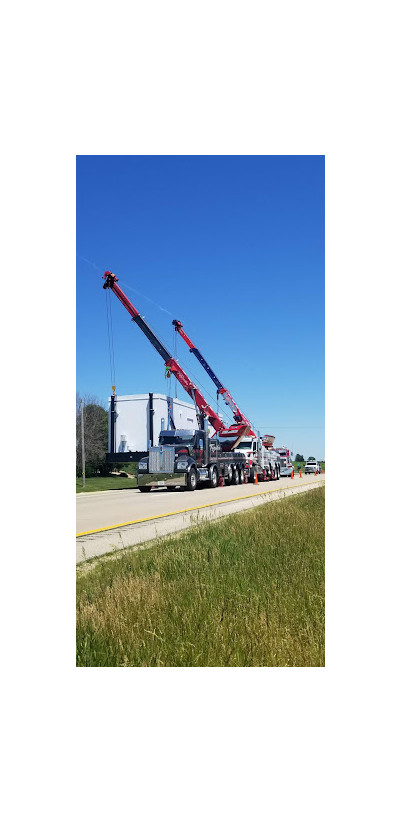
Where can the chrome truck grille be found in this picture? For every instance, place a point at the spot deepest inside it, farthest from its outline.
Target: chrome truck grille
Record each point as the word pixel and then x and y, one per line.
pixel 161 459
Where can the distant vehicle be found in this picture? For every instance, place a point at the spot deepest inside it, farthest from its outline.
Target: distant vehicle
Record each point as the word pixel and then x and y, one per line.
pixel 311 467
pixel 286 465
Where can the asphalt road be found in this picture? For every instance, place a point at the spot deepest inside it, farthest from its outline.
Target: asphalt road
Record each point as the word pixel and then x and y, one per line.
pixel 110 520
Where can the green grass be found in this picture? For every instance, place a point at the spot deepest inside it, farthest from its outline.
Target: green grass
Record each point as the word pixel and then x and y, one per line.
pixel 245 591
pixel 105 483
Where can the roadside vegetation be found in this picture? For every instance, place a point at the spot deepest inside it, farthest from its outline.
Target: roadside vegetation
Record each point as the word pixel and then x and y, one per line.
pixel 97 470
pixel 110 483
pixel 247 590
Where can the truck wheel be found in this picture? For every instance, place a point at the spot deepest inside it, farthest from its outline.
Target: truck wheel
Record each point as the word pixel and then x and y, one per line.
pixel 241 476
pixel 144 489
pixel 252 475
pixel 229 476
pixel 236 477
pixel 191 481
pixel 213 478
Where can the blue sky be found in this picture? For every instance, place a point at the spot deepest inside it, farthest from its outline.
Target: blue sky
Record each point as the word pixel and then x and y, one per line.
pixel 233 246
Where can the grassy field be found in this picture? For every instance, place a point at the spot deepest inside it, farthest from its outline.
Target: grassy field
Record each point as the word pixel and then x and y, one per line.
pixel 104 484
pixel 245 591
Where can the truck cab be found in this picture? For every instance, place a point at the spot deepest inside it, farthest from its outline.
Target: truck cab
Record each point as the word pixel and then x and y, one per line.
pixel 285 462
pixel 187 444
pixel 260 461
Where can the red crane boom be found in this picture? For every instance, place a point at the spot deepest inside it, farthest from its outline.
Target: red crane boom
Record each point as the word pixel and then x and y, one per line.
pixel 238 416
pixel 234 432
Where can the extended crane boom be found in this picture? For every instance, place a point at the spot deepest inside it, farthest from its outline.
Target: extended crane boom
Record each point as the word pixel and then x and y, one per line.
pixel 238 416
pixel 235 432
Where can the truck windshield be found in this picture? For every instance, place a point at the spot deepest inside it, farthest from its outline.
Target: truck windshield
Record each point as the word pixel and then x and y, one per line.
pixel 245 445
pixel 166 439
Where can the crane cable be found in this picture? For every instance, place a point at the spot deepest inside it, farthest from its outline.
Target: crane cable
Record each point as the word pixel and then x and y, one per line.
pixel 175 332
pixel 110 338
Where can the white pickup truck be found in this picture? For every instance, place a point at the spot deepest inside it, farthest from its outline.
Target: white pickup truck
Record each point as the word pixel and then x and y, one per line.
pixel 312 466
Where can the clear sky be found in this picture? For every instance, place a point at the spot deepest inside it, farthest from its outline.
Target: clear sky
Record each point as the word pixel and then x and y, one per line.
pixel 233 246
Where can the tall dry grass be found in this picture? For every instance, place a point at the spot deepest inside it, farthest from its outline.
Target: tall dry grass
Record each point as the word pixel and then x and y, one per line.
pixel 247 590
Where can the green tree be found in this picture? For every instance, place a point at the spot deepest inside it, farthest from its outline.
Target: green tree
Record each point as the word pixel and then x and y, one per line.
pixel 299 458
pixel 95 420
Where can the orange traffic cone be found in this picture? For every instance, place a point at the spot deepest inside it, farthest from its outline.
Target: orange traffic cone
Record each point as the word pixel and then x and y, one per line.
pixel 255 478
pixel 323 470
pixel 300 473
pixel 315 473
pixel 292 474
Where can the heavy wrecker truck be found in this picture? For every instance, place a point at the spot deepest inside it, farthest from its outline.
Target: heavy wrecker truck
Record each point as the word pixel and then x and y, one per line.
pixel 186 458
pixel 262 461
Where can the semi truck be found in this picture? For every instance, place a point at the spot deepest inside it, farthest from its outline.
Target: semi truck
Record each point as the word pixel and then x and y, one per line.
pixel 187 457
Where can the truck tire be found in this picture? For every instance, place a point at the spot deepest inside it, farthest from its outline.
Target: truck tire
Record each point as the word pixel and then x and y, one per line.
pixel 144 489
pixel 213 478
pixel 191 480
pixel 241 476
pixel 252 475
pixel 235 480
pixel 229 476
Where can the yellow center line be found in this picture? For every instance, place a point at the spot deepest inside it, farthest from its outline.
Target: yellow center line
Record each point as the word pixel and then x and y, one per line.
pixel 194 508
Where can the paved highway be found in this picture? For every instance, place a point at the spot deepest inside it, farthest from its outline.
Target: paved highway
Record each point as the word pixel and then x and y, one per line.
pixel 109 520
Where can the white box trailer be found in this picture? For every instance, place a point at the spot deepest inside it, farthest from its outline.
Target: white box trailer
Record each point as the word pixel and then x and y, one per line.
pixel 135 421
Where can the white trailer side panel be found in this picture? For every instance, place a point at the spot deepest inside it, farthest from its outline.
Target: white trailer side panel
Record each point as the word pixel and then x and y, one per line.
pixel 132 420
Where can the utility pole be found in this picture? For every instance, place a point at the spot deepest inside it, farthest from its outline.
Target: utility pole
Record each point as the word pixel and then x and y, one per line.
pixel 83 446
